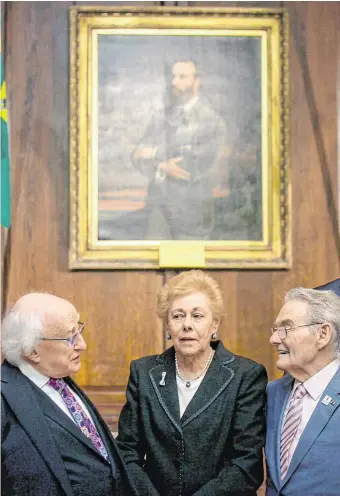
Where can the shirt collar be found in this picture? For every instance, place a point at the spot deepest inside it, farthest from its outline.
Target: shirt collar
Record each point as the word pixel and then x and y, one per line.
pixel 29 371
pixel 316 384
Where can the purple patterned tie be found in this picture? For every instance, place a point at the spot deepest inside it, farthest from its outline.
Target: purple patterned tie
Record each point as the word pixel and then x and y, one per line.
pixel 290 426
pixel 79 416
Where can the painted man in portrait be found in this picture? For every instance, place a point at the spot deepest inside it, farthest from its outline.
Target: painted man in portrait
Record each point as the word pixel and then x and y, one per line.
pixel 183 155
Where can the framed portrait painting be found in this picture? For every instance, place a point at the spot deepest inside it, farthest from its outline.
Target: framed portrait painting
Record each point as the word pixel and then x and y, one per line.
pixel 179 138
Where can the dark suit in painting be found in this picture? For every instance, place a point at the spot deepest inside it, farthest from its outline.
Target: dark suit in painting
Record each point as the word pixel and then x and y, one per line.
pixel 314 469
pixel 44 453
pixel 215 448
pixel 197 134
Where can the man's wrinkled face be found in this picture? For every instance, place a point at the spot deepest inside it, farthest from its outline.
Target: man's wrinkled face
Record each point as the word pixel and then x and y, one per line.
pixel 298 351
pixel 57 358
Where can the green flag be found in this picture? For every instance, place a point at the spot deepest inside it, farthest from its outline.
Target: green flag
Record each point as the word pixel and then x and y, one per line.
pixel 5 174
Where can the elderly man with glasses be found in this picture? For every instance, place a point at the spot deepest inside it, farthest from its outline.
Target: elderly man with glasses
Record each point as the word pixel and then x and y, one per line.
pixel 303 410
pixel 54 442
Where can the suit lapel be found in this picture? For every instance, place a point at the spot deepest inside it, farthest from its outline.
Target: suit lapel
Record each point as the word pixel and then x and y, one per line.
pixel 118 468
pixel 317 423
pixel 51 410
pixel 105 434
pixel 163 379
pixel 280 403
pixel 215 381
pixel 21 398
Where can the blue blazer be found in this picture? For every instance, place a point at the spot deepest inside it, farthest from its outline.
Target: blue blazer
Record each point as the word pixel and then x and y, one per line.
pixel 333 285
pixel 314 469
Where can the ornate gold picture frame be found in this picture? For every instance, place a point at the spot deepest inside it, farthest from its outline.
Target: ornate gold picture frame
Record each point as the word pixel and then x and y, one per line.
pixel 179 138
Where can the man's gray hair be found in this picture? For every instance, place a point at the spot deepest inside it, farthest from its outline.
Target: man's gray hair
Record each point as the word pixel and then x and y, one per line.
pixel 323 306
pixel 21 332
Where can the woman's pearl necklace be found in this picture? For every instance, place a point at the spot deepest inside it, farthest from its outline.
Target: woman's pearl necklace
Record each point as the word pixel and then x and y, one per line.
pixel 186 381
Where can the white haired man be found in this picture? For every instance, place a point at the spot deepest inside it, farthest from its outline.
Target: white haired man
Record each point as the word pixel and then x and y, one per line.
pixel 303 411
pixel 54 442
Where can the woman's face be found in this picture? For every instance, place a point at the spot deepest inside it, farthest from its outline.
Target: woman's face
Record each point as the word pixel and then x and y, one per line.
pixel 191 323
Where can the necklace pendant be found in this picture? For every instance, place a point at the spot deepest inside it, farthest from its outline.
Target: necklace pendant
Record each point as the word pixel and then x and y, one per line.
pixel 187 384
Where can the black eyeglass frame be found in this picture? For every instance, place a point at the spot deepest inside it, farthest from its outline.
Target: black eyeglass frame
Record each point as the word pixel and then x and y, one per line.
pixel 282 331
pixel 72 339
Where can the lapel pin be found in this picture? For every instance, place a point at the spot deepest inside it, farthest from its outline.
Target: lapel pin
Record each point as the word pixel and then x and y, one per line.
pixel 327 400
pixel 162 381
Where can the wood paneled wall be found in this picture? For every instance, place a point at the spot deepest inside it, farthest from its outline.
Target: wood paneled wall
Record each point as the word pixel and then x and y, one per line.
pixel 119 307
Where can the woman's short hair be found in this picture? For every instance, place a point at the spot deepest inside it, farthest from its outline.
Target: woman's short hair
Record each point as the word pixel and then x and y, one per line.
pixel 20 333
pixel 323 306
pixel 185 283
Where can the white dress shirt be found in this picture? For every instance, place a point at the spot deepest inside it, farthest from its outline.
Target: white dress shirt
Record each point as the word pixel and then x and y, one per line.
pixel 315 386
pixel 41 381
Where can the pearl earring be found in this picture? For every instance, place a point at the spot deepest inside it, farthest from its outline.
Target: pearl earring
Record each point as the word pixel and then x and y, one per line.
pixel 214 335
pixel 169 336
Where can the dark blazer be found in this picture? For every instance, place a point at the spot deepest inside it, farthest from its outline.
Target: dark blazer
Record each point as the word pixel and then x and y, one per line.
pixel 215 448
pixel 314 469
pixel 32 461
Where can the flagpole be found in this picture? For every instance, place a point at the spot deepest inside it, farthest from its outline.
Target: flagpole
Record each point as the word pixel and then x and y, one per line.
pixel 5 229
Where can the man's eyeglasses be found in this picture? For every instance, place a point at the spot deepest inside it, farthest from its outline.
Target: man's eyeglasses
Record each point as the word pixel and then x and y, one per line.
pixel 72 339
pixel 283 330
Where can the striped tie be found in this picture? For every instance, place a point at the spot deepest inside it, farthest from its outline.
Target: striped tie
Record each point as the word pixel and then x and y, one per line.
pixel 290 427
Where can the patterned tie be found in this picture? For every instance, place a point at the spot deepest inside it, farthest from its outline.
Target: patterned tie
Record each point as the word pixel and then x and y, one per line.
pixel 80 417
pixel 290 427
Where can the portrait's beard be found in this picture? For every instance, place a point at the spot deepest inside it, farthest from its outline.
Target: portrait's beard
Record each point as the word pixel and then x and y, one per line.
pixel 179 97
